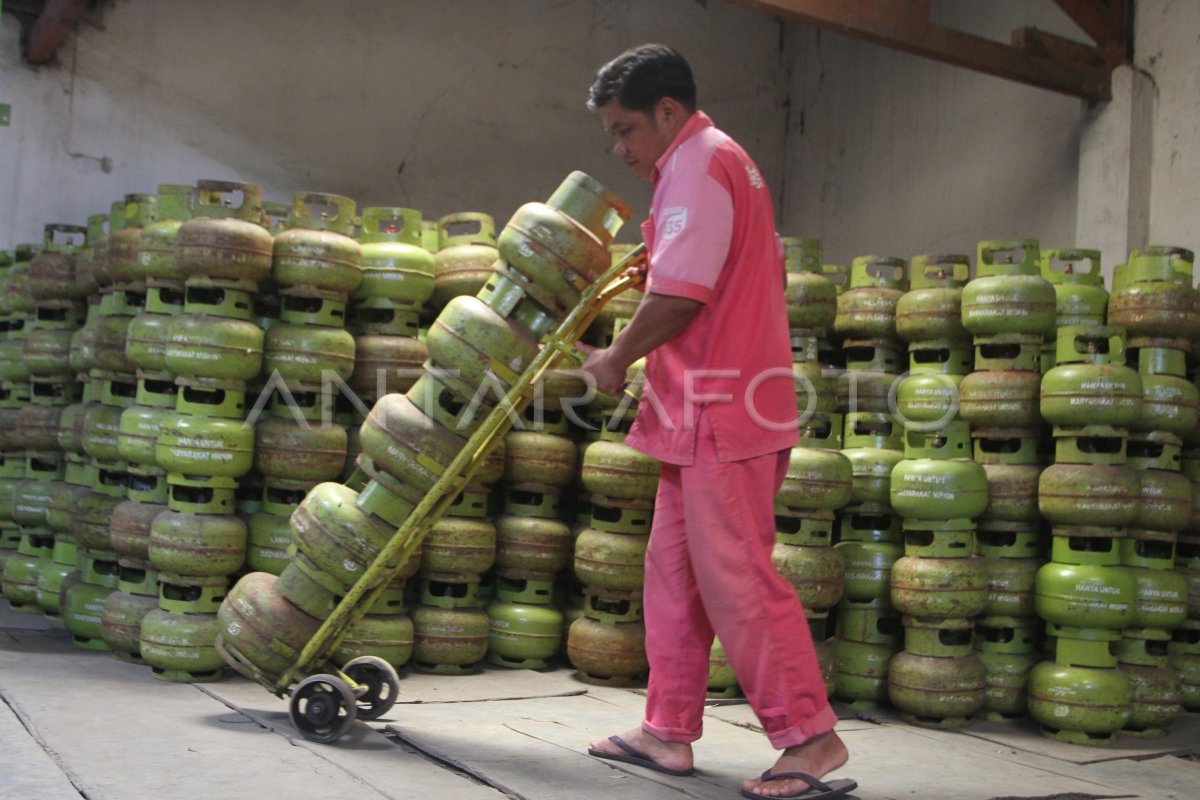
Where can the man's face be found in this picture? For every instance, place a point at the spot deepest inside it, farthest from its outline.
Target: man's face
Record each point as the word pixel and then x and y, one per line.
pixel 639 139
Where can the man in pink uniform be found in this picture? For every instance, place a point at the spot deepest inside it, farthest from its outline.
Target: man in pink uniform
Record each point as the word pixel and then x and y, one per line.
pixel 713 328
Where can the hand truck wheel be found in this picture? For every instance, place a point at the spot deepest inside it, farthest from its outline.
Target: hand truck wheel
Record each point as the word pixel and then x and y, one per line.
pixel 322 708
pixel 380 684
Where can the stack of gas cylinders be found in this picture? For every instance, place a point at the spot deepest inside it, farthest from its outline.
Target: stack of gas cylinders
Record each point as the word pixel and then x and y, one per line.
pixel 217 410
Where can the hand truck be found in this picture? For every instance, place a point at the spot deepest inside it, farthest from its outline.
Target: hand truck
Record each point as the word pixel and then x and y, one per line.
pixel 326 700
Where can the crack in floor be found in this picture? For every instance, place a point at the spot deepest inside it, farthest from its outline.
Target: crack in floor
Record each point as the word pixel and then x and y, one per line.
pixel 445 762
pixel 50 752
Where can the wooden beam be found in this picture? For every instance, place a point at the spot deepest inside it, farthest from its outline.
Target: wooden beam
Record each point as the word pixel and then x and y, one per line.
pixel 906 26
pixel 51 28
pixel 1047 45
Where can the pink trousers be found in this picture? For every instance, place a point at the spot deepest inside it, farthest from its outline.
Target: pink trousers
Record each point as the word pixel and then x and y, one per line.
pixel 709 571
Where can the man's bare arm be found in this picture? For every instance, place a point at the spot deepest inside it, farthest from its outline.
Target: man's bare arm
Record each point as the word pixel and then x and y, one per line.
pixel 659 319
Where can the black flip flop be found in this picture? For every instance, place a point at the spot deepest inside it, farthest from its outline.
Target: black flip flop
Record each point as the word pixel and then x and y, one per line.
pixel 634 756
pixel 817 789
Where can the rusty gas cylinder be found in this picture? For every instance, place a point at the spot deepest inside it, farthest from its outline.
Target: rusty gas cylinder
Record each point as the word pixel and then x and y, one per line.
pixel 197 544
pixel 449 640
pixel 608 654
pixel 283 449
pixel 222 241
pixel 466 252
pixel 867 309
pixel 338 536
pixel 260 628
pixel 457 548
pixel 129 528
pixel 316 250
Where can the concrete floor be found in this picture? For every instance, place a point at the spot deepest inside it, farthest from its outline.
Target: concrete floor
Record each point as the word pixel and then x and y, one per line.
pixel 81 724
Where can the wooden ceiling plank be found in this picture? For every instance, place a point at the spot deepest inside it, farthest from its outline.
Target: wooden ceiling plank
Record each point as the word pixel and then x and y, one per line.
pixel 1095 18
pixel 894 25
pixel 1108 22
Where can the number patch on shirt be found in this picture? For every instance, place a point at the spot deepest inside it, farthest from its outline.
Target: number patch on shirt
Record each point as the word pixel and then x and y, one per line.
pixel 675 222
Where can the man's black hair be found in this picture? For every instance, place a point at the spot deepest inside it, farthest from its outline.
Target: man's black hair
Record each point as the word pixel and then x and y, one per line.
pixel 641 76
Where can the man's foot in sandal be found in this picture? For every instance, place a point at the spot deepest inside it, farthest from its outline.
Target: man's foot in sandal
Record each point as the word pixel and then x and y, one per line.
pixel 808 762
pixel 644 750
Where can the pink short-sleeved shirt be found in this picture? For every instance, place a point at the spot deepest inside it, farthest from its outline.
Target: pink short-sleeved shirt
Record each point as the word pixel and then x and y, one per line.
pixel 711 237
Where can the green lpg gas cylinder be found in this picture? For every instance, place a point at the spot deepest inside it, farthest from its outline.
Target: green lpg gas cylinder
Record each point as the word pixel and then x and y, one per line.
pixel 336 535
pixel 1008 294
pixel 936 480
pixel 488 351
pixel 1080 705
pixel 316 250
pixel 224 241
pixel 466 252
pixel 867 309
pixel 523 636
pixel 610 561
pixel 52 277
pixel 449 640
pixel 156 256
pixel 258 628
pixel 457 548
pixel 1153 295
pixel 283 449
pixel 811 296
pixel 385 364
pixel 199 446
pixel 1091 384
pixel 816 573
pixel 386 636
pixel 952 588
pixel 559 247
pixel 129 529
pixel 1079 292
pixel 862 670
pixel 540 458
pixel 937 692
pixel 197 544
pixel 608 654
pixel 411 447
pixel 220 348
pixel 1089 494
pixel 395 265
pixel 179 647
pixel 932 307
pixel 613 469
pixel 817 478
pixel 121 268
pixel 527 545
pixel 308 354
pixel 1084 586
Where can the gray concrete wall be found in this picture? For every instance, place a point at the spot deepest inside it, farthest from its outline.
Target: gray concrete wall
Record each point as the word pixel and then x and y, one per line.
pixel 439 106
pixel 895 154
pixel 478 105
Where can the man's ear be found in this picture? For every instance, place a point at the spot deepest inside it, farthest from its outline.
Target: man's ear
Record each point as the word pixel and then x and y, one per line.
pixel 668 111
